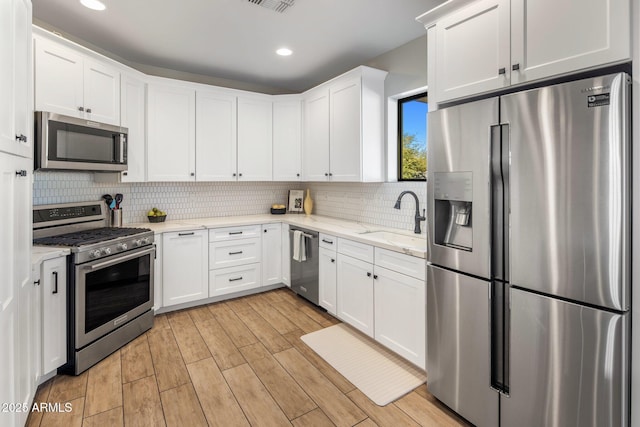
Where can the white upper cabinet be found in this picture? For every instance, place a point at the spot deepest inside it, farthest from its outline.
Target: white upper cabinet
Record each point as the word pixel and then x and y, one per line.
pixel 343 128
pixel 550 37
pixel 315 143
pixel 171 149
pixel 132 110
pixel 287 138
pixel 216 142
pixel 463 68
pixel 255 149
pixel 70 83
pixel 16 116
pixel 520 41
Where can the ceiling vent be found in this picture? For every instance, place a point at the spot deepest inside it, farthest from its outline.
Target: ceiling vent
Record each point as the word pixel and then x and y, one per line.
pixel 275 5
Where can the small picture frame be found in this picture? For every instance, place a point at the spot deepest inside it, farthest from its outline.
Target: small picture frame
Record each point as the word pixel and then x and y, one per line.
pixel 296 200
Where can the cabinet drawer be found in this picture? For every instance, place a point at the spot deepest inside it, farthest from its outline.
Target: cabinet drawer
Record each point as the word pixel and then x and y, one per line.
pixel 401 263
pixel 328 241
pixel 233 233
pixel 234 279
pixel 234 252
pixel 357 250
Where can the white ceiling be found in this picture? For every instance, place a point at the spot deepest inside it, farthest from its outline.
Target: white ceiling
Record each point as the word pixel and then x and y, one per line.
pixel 235 39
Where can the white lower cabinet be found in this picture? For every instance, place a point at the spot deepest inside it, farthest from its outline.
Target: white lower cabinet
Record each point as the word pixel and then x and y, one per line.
pixel 184 267
pixel 400 312
pixel 355 293
pixel 286 256
pixel 157 274
pixel 53 281
pixel 272 254
pixel 327 278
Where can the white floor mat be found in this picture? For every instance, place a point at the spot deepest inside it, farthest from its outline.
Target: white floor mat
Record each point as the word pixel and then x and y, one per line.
pixel 377 372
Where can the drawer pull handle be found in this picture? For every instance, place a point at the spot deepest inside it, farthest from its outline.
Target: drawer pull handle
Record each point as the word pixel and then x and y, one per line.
pixel 55 282
pixel 235 279
pixel 235 253
pixel 328 241
pixel 186 234
pixel 231 233
pixel 502 71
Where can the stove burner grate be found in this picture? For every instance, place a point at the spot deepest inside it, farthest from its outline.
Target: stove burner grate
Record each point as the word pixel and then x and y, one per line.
pixel 86 237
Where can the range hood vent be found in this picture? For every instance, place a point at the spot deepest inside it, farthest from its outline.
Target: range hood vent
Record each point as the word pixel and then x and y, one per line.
pixel 275 5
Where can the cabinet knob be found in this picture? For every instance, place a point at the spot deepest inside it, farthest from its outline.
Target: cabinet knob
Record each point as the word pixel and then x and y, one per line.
pixel 239 174
pixel 21 138
pixel 21 172
pixel 88 110
pixel 265 230
pixel 193 174
pixel 80 108
pixel 326 174
pixel 368 274
pixel 125 173
pixel 375 276
pixel 330 174
pixel 515 67
pixel 234 174
pixel 333 260
pixel 502 71
pixel 298 174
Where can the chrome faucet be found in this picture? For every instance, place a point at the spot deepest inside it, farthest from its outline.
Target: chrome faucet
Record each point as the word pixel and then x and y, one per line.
pixel 418 217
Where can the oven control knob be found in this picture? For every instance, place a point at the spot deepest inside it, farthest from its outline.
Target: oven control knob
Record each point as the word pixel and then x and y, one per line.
pixel 94 254
pixel 106 251
pixel 137 243
pixel 145 241
pixel 122 246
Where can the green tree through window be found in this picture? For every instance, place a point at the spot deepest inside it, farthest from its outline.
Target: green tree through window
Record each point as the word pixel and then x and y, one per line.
pixel 412 137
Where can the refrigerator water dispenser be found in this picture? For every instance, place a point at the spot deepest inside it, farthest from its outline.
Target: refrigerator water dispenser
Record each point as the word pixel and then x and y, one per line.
pixel 453 195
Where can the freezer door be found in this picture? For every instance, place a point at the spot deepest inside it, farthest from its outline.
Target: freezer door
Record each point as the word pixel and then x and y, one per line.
pixel 458 353
pixel 569 364
pixel 570 190
pixel 458 186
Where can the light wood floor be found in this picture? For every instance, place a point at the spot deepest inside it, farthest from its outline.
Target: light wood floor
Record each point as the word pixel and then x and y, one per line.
pixel 234 363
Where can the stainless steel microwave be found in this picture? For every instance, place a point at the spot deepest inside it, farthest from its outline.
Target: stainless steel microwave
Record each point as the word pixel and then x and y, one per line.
pixel 70 143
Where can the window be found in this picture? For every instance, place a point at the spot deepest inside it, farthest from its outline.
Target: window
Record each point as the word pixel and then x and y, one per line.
pixel 412 138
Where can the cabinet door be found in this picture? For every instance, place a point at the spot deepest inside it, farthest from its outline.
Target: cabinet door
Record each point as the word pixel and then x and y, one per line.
pixel 7 123
pixel 286 255
pixel 23 98
pixel 132 114
pixel 355 293
pixel 272 254
pixel 576 35
pixel 216 142
pixel 101 92
pixel 157 275
pixel 255 123
pixel 327 279
pixel 170 133
pixel 464 68
pixel 58 79
pixel 345 161
pixel 185 268
pixel 315 142
pixel 287 140
pixel 53 281
pixel 400 313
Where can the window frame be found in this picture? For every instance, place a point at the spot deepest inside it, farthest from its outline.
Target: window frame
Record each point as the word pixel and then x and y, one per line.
pixel 400 103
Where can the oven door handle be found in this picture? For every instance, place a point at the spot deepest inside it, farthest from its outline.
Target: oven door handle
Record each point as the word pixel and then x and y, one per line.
pixel 119 259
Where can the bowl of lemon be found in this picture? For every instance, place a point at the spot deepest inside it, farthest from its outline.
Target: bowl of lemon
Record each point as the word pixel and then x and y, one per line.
pixel 156 215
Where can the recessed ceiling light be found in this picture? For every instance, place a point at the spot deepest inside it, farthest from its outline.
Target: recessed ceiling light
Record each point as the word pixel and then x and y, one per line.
pixel 93 4
pixel 283 51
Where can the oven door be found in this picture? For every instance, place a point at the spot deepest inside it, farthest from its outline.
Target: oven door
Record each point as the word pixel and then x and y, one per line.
pixel 110 292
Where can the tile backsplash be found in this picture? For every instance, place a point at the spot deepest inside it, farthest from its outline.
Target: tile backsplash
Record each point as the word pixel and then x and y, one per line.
pixel 371 203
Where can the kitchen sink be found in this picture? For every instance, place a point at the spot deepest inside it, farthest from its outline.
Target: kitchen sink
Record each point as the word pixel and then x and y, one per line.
pixel 404 240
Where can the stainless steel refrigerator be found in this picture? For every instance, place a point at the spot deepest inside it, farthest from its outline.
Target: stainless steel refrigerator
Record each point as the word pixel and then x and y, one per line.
pixel 528 285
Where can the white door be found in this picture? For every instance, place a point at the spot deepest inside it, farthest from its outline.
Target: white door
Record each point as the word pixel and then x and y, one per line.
pixel 101 92
pixel 327 279
pixel 7 123
pixel 577 35
pixel 345 152
pixel 255 149
pixel 287 140
pixel 185 267
pixel 53 280
pixel 132 115
pixel 272 254
pixel 58 79
pixel 23 98
pixel 170 133
pixel 216 142
pixel 355 293
pixel 315 142
pixel 400 313
pixel 472 50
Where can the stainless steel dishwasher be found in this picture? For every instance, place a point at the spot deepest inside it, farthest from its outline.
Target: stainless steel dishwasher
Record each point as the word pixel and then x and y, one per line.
pixel 304 272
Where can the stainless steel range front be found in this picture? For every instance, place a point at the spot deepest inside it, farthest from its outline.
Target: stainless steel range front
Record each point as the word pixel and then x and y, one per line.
pixel 110 278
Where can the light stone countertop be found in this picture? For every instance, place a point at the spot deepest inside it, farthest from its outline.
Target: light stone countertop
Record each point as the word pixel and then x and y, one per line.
pixel 404 241
pixel 43 253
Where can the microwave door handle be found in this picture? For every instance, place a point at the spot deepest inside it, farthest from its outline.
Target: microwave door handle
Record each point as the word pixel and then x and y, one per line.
pixel 123 146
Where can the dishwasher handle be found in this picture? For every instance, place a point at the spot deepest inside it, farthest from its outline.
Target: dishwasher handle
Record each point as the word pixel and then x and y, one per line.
pixel 307 235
